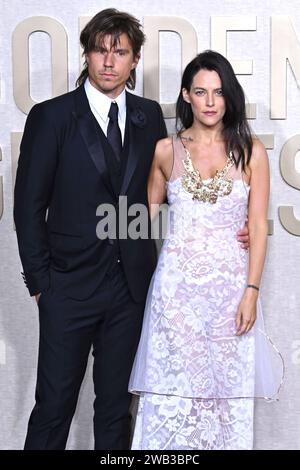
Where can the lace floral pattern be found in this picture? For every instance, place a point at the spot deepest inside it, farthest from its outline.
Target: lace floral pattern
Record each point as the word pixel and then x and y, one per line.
pixel 176 423
pixel 198 283
pixel 196 378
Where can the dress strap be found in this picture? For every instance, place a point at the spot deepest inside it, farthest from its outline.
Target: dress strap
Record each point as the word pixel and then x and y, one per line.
pixel 179 156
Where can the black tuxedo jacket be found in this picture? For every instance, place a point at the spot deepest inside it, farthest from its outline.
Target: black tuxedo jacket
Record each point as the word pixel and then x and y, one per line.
pixel 65 172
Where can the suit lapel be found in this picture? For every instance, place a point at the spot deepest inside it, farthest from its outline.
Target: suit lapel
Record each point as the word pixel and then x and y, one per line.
pixel 89 133
pixel 135 135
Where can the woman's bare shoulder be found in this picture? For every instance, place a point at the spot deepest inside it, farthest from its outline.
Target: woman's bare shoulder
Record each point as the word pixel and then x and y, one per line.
pixel 164 145
pixel 258 146
pixel 163 157
pixel 164 150
pixel 259 152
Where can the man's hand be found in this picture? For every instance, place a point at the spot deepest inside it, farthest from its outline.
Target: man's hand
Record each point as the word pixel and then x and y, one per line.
pixel 37 297
pixel 243 237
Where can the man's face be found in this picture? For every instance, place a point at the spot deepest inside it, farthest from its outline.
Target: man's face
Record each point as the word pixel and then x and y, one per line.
pixel 109 67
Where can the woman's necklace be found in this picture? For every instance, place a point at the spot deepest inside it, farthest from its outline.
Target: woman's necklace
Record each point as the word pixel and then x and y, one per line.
pixel 218 186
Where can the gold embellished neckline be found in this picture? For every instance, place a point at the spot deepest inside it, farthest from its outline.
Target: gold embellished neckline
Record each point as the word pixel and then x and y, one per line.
pixel 218 186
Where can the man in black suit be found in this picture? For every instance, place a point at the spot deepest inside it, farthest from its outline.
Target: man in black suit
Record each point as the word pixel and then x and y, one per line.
pixel 78 151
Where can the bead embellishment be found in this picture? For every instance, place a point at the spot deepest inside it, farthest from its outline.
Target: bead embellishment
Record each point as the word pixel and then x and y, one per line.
pixel 218 186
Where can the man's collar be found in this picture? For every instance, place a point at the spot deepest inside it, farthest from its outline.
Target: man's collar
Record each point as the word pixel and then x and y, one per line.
pixel 102 103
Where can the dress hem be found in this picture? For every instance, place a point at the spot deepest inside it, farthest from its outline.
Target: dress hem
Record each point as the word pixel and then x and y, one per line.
pixel 193 397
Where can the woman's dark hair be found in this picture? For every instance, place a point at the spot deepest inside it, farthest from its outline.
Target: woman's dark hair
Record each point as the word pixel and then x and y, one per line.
pixel 114 23
pixel 236 130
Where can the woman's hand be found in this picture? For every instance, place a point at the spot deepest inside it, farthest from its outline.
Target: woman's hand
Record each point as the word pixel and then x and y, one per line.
pixel 246 314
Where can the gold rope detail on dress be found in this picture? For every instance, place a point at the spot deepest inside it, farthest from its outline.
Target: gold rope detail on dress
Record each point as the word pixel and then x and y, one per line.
pixel 219 185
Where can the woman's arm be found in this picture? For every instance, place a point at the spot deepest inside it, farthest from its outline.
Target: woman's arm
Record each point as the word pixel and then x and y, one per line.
pixel 159 174
pixel 258 232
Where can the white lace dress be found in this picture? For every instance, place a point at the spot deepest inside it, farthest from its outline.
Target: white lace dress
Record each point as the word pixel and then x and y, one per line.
pixel 196 378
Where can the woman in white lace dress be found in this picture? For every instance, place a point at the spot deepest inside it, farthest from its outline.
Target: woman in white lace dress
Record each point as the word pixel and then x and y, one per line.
pixel 203 355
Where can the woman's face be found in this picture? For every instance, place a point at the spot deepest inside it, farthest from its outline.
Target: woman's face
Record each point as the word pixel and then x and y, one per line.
pixel 206 98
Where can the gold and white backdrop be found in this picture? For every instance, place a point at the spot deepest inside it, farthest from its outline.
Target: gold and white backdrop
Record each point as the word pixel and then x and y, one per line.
pixel 40 57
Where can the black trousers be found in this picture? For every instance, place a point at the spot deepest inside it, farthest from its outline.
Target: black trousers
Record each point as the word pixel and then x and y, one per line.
pixel 110 321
